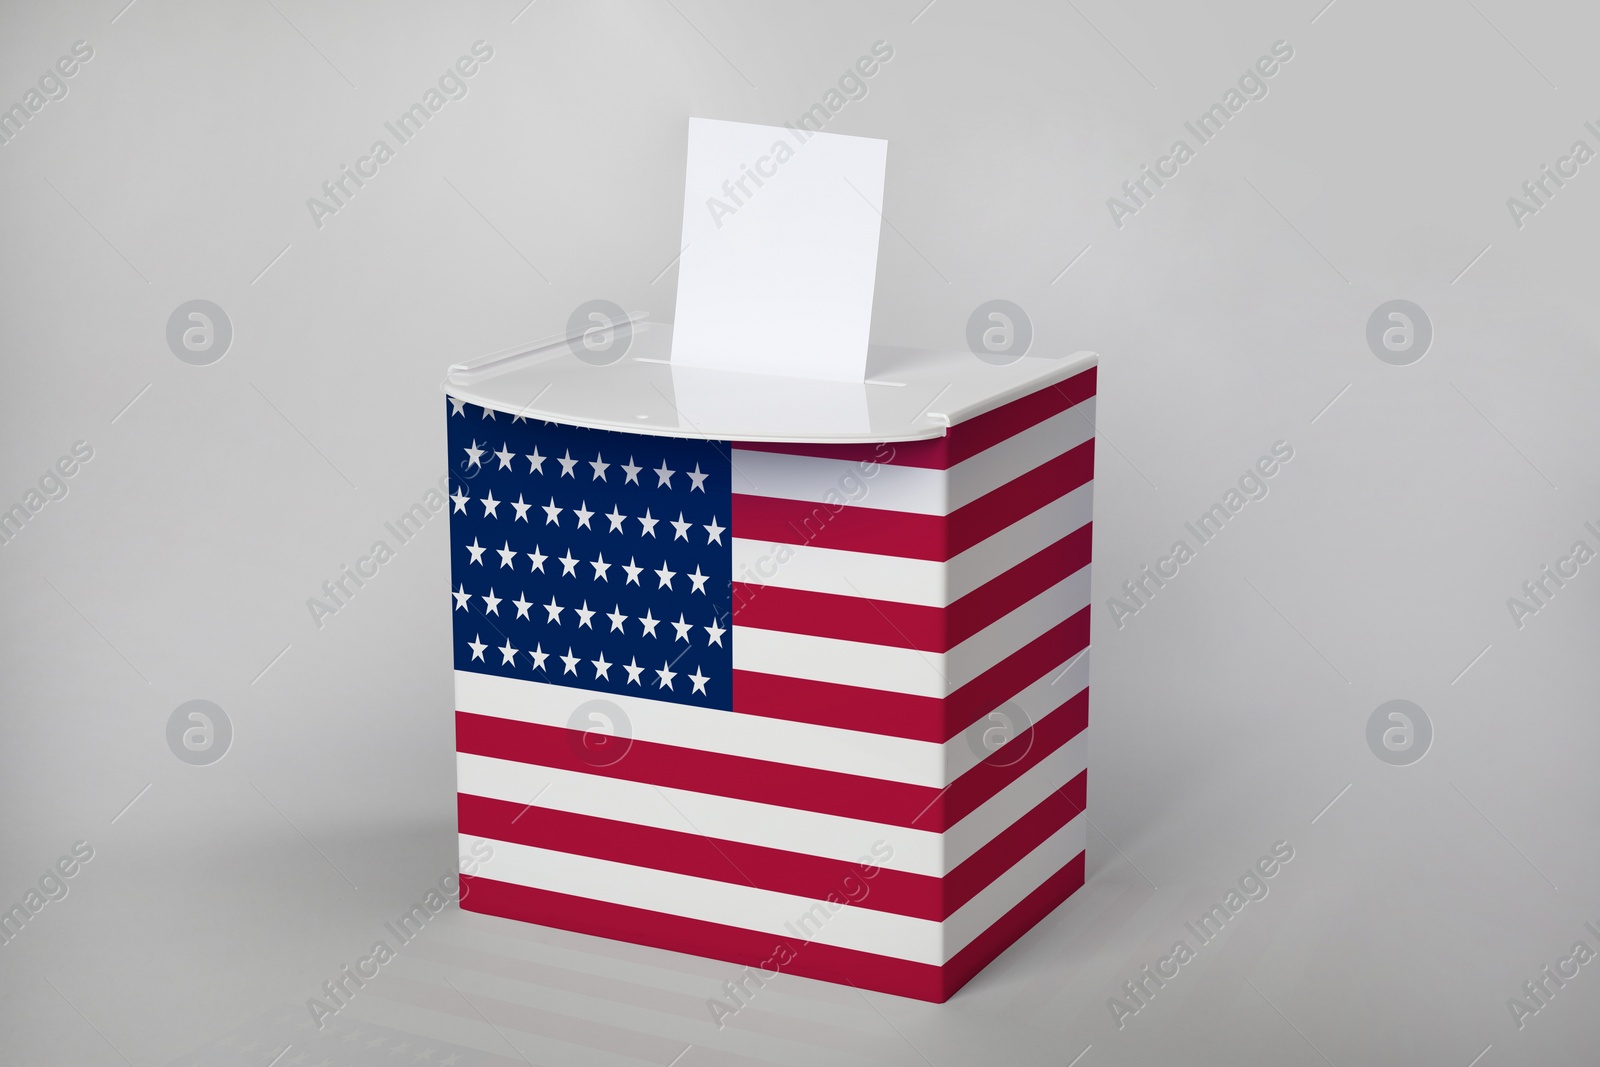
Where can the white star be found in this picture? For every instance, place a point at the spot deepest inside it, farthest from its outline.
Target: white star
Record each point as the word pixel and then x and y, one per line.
pixel 584 615
pixel 507 653
pixel 666 674
pixel 474 454
pixel 505 457
pixel 567 463
pixel 539 656
pixel 535 463
pixel 600 567
pixel 550 513
pixel 699 681
pixel 568 564
pixel 461 598
pixel 457 406
pixel 713 632
pixel 537 559
pixel 522 604
pixel 506 555
pixel 714 532
pixel 477 552
pixel 600 467
pixel 647 524
pixel 601 667
pixel 489 505
pixel 491 604
pixel 664 475
pixel 460 500
pixel 631 471
pixel 477 646
pixel 698 579
pixel 680 529
pixel 682 627
pixel 666 576
pixel 699 481
pixel 488 414
pixel 570 661
pixel 633 572
pixel 615 517
pixel 634 670
pixel 584 515
pixel 649 623
pixel 617 619
pixel 522 510
pixel 553 611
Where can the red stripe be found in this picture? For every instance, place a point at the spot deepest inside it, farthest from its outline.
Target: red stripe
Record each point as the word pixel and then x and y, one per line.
pixel 853 796
pixel 788 785
pixel 908 534
pixel 1020 497
pixel 807 522
pixel 983 949
pixel 962 441
pixel 1004 594
pixel 1005 765
pixel 1015 673
pixel 1014 842
pixel 918 626
pixel 698 856
pixel 847 707
pixel 777 870
pixel 917 718
pixel 768 952
pixel 985 431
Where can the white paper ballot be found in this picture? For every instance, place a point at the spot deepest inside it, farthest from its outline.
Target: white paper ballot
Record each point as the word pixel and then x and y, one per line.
pixel 826 409
pixel 780 250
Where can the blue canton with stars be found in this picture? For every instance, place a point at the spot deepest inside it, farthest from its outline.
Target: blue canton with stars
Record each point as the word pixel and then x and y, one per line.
pixel 591 558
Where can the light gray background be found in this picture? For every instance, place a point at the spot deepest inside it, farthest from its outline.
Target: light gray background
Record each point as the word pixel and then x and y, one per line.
pixel 1230 312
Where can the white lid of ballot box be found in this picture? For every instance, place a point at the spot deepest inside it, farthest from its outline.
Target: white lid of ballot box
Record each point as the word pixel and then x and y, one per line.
pixel 909 394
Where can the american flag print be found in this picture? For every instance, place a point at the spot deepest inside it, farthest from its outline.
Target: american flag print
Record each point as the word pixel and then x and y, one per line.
pixel 619 580
pixel 814 708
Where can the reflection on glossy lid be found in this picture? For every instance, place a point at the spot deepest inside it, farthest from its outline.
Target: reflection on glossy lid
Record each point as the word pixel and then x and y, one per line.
pixel 909 394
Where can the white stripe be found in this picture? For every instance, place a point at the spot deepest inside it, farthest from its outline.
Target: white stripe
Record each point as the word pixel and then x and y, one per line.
pixel 884 486
pixel 754 736
pixel 773 826
pixel 908 670
pixel 1007 891
pixel 784 915
pixel 997 813
pixel 1028 708
pixel 911 581
pixel 827 748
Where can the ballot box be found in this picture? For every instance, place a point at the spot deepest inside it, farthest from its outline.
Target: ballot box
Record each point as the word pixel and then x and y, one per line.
pixel 771 646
